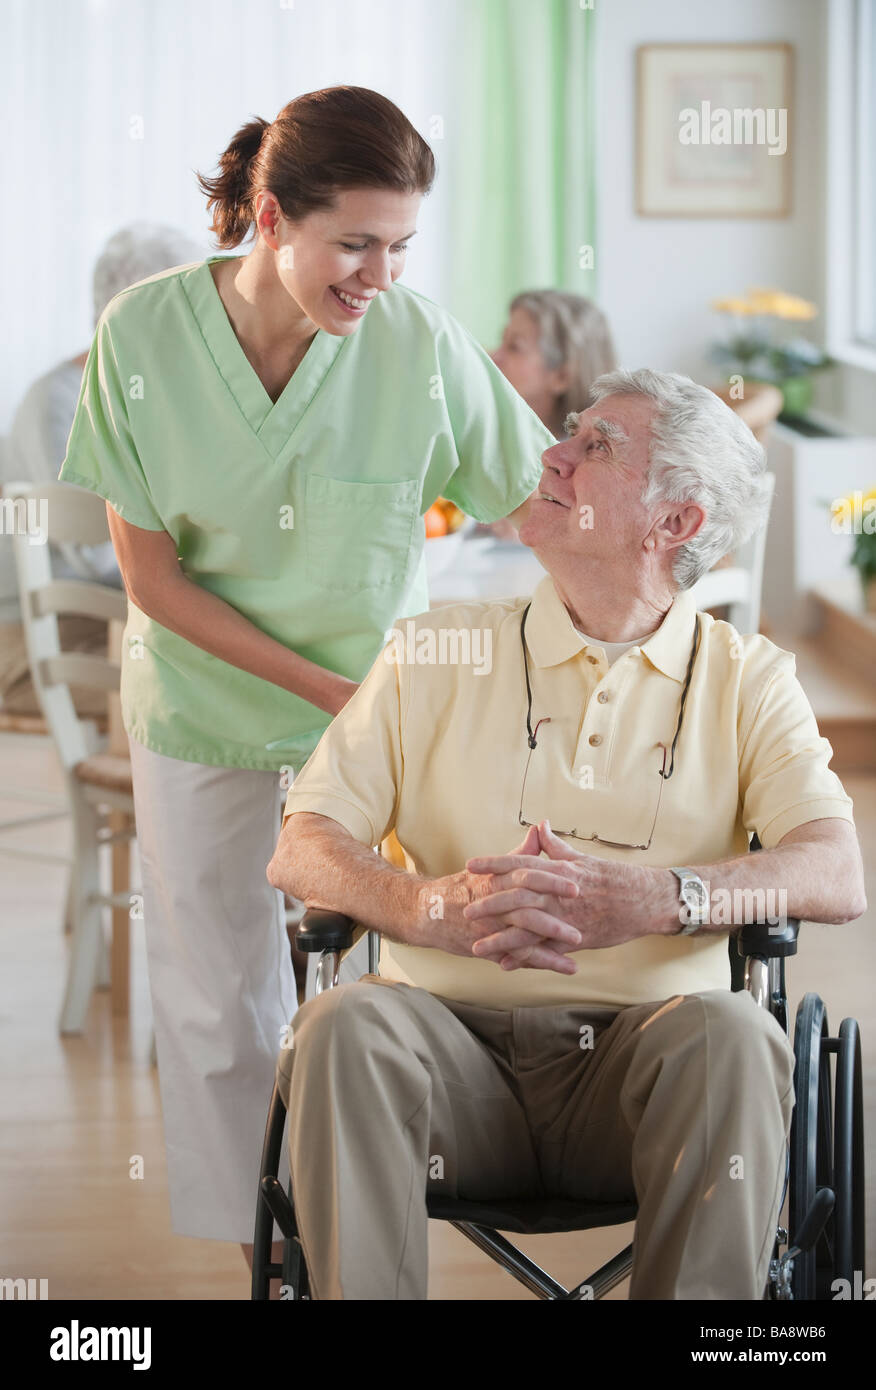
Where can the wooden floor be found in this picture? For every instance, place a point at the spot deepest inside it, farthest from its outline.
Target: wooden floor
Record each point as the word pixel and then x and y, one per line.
pixel 74 1111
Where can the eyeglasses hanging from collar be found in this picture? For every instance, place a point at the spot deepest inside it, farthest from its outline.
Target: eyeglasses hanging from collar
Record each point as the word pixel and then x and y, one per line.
pixel 662 772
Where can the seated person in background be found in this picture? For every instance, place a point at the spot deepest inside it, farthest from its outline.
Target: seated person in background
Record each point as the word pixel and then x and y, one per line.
pixel 553 348
pixel 33 452
pixel 550 1020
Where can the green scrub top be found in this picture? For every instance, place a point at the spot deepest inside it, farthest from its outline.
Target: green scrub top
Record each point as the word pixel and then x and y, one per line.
pixel 305 514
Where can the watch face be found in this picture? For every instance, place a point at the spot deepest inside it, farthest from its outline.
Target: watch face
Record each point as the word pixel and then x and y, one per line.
pixel 694 895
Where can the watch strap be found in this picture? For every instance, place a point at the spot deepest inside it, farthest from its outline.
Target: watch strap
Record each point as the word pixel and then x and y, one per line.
pixel 693 922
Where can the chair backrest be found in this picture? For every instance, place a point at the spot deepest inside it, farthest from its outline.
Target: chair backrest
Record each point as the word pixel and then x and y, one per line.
pixel 63 514
pixel 739 584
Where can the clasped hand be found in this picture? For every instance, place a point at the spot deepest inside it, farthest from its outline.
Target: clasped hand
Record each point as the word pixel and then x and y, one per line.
pixel 534 914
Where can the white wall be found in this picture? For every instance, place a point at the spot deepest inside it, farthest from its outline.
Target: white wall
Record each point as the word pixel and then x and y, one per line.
pixel 658 275
pixel 848 394
pixel 77 71
pixel 76 78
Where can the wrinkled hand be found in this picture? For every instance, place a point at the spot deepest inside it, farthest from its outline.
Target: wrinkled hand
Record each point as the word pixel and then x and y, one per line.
pixel 445 904
pixel 611 906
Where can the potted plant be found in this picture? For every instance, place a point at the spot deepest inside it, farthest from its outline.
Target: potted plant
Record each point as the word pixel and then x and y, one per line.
pixel 856 516
pixel 759 350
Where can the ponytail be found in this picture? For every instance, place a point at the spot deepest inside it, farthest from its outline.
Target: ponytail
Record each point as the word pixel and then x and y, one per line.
pixel 318 145
pixel 230 193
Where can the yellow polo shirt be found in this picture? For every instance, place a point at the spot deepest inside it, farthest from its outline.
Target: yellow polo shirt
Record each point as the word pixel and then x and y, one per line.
pixel 433 745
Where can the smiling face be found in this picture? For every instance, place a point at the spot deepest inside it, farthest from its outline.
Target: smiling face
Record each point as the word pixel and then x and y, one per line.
pixel 334 263
pixel 588 505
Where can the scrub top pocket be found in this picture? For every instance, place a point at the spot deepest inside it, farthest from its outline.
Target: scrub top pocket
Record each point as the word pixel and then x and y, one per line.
pixel 360 535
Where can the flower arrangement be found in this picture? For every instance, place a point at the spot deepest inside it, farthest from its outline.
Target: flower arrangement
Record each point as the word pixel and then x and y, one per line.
pixel 856 515
pixel 756 348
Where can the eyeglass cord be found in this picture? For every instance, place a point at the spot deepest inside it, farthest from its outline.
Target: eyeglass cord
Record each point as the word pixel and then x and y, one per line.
pixel 693 653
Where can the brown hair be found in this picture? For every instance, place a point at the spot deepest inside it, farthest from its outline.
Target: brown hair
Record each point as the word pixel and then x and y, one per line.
pixel 341 137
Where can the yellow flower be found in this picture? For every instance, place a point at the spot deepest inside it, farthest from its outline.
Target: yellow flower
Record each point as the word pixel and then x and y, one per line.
pixel 790 306
pixel 779 304
pixel 732 306
pixel 847 504
pixel 764 301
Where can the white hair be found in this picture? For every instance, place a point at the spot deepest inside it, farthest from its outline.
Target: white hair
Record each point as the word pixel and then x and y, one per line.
pixel 135 252
pixel 700 451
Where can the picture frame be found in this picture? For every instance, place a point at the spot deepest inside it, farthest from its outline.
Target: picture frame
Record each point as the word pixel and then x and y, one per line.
pixel 714 130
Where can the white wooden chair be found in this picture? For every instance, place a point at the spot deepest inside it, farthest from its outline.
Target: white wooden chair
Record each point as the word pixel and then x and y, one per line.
pixel 98 781
pixel 11 792
pixel 738 585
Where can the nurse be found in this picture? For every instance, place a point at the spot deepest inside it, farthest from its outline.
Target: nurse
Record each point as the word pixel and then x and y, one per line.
pixel 268 430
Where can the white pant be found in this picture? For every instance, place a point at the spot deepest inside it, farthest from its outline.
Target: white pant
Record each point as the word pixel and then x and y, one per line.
pixel 221 977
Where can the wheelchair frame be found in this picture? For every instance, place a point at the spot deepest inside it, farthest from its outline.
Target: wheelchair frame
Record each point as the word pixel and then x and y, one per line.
pixel 824 1164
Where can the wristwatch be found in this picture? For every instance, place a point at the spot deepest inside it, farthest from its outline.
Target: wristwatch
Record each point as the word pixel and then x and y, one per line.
pixel 694 898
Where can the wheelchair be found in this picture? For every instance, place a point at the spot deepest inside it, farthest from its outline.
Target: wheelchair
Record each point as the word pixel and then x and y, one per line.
pixel 824 1168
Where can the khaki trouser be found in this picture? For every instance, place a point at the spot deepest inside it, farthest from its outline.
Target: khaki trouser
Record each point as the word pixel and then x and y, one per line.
pixel 683 1106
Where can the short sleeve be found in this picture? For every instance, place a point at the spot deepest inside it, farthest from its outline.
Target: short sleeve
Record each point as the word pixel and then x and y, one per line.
pixel 784 778
pixel 101 453
pixel 354 774
pixel 499 440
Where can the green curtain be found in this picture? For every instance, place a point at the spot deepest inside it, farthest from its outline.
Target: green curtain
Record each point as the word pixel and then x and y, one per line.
pixel 518 156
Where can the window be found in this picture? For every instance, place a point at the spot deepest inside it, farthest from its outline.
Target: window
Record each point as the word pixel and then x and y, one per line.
pixel 850 271
pixel 864 285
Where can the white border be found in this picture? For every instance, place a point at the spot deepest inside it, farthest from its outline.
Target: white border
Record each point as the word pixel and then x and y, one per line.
pixel 842 202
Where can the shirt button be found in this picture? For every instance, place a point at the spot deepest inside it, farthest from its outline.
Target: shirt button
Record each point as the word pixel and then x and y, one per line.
pixel 594 660
pixel 595 740
pixel 602 697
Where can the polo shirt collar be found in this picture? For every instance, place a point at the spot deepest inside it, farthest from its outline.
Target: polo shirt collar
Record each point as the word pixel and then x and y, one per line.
pixel 552 637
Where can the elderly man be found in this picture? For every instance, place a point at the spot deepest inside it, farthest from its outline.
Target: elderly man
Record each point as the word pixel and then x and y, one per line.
pixel 553 1015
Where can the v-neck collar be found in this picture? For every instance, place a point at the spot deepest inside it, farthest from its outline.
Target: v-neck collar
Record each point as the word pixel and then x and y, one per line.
pixel 271 422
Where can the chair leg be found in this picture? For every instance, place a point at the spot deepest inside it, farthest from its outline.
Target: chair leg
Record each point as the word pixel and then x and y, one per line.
pixel 70 903
pixel 120 968
pixel 85 946
pixel 104 959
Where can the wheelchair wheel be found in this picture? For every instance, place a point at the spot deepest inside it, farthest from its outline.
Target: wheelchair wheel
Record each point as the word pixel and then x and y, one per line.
pixel 811 1145
pixel 849 1155
pixel 827 1149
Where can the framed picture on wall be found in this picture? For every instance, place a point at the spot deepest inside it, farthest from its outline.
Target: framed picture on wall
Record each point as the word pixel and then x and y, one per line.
pixel 714 127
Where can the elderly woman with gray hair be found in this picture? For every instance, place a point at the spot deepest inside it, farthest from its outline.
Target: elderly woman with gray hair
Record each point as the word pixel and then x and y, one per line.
pixel 553 348
pixel 553 1015
pixel 33 453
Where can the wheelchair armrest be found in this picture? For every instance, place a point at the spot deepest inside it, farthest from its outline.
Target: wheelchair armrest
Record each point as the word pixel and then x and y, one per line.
pixel 322 929
pixel 762 939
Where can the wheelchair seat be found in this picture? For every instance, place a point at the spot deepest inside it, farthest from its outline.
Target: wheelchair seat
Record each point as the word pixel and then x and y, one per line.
pixel 528 1217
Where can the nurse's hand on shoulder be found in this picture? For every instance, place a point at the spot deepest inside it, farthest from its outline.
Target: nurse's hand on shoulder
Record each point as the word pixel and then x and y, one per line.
pixel 441 922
